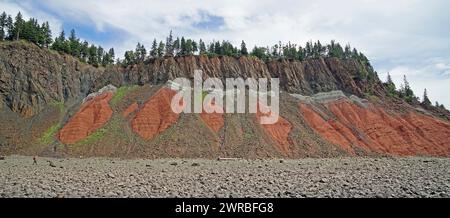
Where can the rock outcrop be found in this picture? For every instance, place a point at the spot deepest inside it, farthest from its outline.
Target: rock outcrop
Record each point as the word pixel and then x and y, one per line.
pixel 92 115
pixel 45 102
pixel 31 77
pixel 375 130
pixel 156 115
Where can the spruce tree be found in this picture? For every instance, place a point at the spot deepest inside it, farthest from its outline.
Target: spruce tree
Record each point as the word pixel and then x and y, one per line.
pixel 92 56
pixel 160 51
pixel 202 47
pixel 244 51
pixel 183 50
pixel 176 46
pixel 47 35
pixel 391 89
pixel 154 49
pixel 426 101
pixel 18 26
pixel 3 27
pixel 169 45
pixel 111 56
pixel 10 27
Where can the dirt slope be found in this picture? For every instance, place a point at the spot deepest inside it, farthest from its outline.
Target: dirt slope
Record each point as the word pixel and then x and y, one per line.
pixel 373 129
pixel 92 115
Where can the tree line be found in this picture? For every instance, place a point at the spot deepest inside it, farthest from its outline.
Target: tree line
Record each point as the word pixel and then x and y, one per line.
pixel 406 93
pixel 88 53
pixel 184 46
pixel 19 29
pixel 41 35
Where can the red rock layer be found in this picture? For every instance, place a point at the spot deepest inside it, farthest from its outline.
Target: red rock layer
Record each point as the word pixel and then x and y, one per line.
pixel 373 129
pixel 92 115
pixel 214 120
pixel 156 115
pixel 279 131
pixel 132 108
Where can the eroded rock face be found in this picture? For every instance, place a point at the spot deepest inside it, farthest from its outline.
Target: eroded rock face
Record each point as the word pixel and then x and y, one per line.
pixel 92 115
pixel 373 129
pixel 156 115
pixel 215 121
pixel 31 78
pixel 279 131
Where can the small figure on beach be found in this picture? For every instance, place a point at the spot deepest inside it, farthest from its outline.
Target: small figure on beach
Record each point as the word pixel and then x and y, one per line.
pixel 34 160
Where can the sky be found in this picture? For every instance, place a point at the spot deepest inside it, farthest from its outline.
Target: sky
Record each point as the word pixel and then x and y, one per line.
pixel 402 37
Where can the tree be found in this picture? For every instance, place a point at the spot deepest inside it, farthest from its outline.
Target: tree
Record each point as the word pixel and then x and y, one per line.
pixel 47 35
pixel 154 49
pixel 111 56
pixel 202 47
pixel 244 51
pixel 3 23
pixel 160 51
pixel 92 56
pixel 18 25
pixel 194 46
pixel 183 50
pixel 84 51
pixel 129 58
pixel 140 52
pixel 10 27
pixel 426 101
pixel 169 45
pixel 406 92
pixel 390 86
pixel 74 44
pixel 218 48
pixel 189 47
pixel 176 46
pixel 259 52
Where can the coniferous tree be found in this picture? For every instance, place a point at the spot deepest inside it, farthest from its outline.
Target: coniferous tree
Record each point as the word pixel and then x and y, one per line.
pixel 47 35
pixel 74 44
pixel 140 52
pixel 194 46
pixel 100 53
pixel 244 51
pixel 111 56
pixel 3 25
pixel 10 27
pixel 129 58
pixel 169 45
pixel 217 48
pixel 93 59
pixel 183 49
pixel 176 46
pixel 202 47
pixel 84 51
pixel 154 49
pixel 160 51
pixel 189 48
pixel 425 100
pixel 390 86
pixel 211 48
pixel 406 92
pixel 18 25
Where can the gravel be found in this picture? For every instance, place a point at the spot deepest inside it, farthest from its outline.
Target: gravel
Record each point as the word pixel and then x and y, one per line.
pixel 106 177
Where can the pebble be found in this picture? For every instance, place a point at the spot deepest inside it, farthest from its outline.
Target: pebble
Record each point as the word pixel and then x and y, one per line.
pixel 343 177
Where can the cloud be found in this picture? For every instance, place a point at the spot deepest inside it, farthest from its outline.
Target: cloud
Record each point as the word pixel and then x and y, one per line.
pixel 403 36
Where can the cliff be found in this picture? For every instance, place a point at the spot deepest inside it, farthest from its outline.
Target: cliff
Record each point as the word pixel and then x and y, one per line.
pixel 329 107
pixel 31 78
